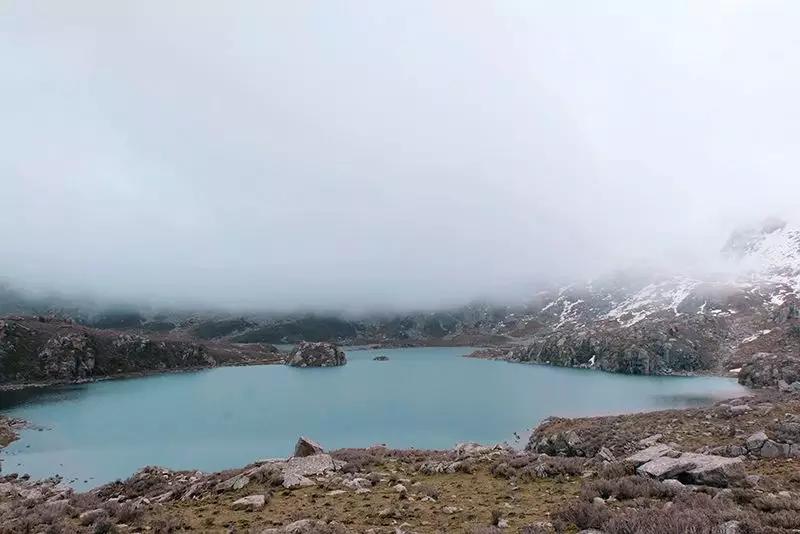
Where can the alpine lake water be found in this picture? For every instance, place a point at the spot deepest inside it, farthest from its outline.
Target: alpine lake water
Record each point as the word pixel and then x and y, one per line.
pixel 230 416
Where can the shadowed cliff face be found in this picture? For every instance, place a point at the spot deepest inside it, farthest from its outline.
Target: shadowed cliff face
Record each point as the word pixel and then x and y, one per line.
pixel 51 350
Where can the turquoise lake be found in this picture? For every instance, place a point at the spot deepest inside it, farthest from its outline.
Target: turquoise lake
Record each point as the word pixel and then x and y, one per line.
pixel 230 416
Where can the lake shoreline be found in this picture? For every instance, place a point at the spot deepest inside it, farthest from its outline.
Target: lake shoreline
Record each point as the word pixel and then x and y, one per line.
pixel 19 386
pixel 481 353
pixel 503 354
pixel 353 490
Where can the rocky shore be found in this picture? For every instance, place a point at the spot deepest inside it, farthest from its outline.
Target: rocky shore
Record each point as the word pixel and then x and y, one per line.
pixel 40 351
pixel 727 468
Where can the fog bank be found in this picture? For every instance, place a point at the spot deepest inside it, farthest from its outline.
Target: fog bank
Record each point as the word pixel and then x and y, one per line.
pixel 353 155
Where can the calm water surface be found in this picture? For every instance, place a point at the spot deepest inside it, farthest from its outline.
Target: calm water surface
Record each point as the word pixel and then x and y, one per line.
pixel 228 417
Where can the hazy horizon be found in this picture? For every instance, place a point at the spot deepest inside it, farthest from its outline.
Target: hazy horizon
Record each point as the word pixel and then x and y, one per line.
pixel 360 156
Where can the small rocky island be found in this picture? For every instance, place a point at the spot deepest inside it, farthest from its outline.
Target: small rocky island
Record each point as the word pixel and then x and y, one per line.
pixel 381 358
pixel 309 354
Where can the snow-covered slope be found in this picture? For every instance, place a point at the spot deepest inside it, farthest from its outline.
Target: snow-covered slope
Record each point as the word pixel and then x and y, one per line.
pixel 670 323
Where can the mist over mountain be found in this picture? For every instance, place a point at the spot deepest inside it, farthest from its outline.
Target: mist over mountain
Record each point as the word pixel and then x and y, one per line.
pixel 383 157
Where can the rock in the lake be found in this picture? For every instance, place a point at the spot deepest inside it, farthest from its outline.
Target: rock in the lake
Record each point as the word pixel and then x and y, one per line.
pixel 250 503
pixel 381 358
pixel 317 355
pixel 307 447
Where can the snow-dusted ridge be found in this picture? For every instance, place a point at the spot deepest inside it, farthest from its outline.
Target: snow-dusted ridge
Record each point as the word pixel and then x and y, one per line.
pixel 763 269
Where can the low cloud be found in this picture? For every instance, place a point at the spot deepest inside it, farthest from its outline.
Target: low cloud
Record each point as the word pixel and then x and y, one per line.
pixel 360 155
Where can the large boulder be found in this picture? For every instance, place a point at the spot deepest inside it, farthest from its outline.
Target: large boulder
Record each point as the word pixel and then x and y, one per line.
pixel 307 447
pixel 250 503
pixel 317 355
pixel 567 443
pixel 691 468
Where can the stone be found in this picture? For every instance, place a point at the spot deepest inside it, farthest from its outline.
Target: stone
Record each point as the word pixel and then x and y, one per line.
pixel 317 355
pixel 755 441
pixel 783 386
pixel 665 467
pixel 399 488
pixel 714 470
pixel 334 493
pixel 771 449
pixel 251 503
pixel 381 358
pixel 650 440
pixel 673 484
pixel 730 527
pixel 542 527
pixel 740 409
pixel 450 509
pixel 474 449
pixel 599 501
pixel 703 469
pixel 649 454
pixel 357 483
pixel 567 443
pixel 91 516
pixel 752 480
pixel 293 481
pixel 502 523
pixel 605 455
pixel 296 470
pixel 307 447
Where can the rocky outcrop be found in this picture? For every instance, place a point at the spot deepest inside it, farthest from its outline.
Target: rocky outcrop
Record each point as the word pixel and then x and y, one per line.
pixel 317 355
pixel 46 350
pixel 69 356
pixel 663 462
pixel 651 348
pixel 770 370
pixel 567 443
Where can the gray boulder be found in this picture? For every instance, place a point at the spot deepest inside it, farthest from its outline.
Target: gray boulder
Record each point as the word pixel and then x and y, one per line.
pixel 650 453
pixel 691 468
pixel 756 441
pixel 771 449
pixel 567 443
pixel 317 355
pixel 251 503
pixel 665 467
pixel 307 447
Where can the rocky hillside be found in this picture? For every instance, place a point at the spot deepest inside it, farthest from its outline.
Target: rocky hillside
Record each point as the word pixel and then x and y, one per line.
pixel 673 324
pixel 38 349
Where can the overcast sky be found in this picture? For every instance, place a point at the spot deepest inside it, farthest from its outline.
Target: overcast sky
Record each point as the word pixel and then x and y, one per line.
pixel 406 154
